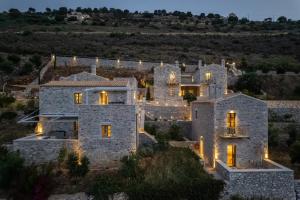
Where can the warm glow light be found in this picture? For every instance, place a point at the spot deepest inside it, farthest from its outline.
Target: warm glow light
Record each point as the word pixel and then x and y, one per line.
pixel 39 128
pixel 97 59
pixel 226 92
pixel 140 62
pixel 161 63
pixel 201 147
pixel 266 153
pixel 231 111
pixel 207 76
pixel 103 99
pixel 118 61
pixel 74 58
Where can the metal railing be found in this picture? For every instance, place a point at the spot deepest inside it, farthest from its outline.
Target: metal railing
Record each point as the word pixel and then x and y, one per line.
pixel 237 132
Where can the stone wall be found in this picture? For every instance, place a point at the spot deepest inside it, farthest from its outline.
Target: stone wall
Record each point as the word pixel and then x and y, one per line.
pixel 107 151
pixel 55 100
pixel 282 109
pixel 276 183
pixel 164 126
pixel 40 150
pixel 251 121
pixel 167 112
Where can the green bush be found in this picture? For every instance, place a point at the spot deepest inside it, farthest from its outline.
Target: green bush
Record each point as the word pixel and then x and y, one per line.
pixel 11 165
pixel 295 152
pixel 6 100
pixel 249 82
pixel 8 115
pixel 175 132
pixel 130 167
pixel 273 136
pixel 189 97
pixel 36 60
pixel 77 167
pixel 151 129
pixel 26 69
pixel 6 67
pixel 14 58
pixel 293 134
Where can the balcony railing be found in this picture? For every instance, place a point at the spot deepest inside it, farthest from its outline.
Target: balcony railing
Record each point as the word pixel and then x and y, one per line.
pixel 237 132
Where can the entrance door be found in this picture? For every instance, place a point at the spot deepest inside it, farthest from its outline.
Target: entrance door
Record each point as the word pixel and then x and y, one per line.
pixel 231 155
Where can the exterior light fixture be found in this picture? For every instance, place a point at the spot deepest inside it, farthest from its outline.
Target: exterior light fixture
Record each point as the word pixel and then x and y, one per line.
pixel 118 61
pixel 161 63
pixel 97 59
pixel 140 62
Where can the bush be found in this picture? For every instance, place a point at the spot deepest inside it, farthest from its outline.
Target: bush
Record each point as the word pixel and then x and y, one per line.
pixel 26 69
pixel 295 152
pixel 77 167
pixel 130 167
pixel 6 67
pixel 293 134
pixel 8 115
pixel 36 60
pixel 14 58
pixel 6 100
pixel 273 136
pixel 11 165
pixel 175 132
pixel 105 185
pixel 189 97
pixel 151 129
pixel 249 82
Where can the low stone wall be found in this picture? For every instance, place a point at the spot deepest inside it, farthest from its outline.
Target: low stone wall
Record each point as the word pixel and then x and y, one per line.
pixel 276 183
pixel 164 126
pixel 284 110
pixel 157 112
pixel 38 150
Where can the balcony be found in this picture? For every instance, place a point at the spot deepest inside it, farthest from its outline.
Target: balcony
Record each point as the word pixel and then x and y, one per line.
pixel 232 133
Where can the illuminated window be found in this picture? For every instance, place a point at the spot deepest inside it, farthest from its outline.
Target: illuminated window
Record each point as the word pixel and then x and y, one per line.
pixel 208 76
pixel 103 100
pixel 78 98
pixel 231 119
pixel 231 155
pixel 106 131
pixel 201 147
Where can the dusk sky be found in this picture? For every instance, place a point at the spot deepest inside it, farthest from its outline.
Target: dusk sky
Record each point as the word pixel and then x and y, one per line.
pixel 254 9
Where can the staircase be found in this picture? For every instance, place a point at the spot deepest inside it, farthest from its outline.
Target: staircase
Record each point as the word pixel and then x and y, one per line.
pixel 297 189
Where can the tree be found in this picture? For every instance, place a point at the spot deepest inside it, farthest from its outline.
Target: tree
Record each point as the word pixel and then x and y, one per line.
pixel 210 15
pixel 250 82
pixel 295 152
pixel 31 10
pixel 14 13
pixel 48 10
pixel 189 97
pixel 293 134
pixel 36 60
pixel 14 58
pixel 77 167
pixel 63 10
pixel 6 67
pixel 282 19
pixel 244 20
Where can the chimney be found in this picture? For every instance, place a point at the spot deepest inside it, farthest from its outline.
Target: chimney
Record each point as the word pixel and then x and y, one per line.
pixel 93 69
pixel 223 63
pixel 176 63
pixel 199 63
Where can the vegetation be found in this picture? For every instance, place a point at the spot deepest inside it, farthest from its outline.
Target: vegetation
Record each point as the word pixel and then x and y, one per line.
pixel 169 174
pixel 189 97
pixel 249 83
pixel 78 167
pixel 295 152
pixel 273 136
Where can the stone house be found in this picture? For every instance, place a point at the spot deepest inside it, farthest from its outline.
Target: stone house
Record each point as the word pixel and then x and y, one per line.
pixel 88 114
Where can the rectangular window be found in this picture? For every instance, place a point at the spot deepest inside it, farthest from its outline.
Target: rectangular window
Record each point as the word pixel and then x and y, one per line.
pixel 231 119
pixel 78 98
pixel 103 99
pixel 208 76
pixel 196 114
pixel 106 131
pixel 231 155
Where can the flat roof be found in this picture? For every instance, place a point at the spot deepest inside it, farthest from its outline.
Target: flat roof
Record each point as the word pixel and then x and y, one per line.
pixel 118 83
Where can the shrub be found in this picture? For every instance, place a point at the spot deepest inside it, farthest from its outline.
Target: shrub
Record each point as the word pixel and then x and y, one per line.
pixel 151 129
pixel 14 58
pixel 6 67
pixel 130 167
pixel 8 115
pixel 11 165
pixel 77 167
pixel 62 156
pixel 293 133
pixel 273 136
pixel 250 82
pixel 175 132
pixel 189 97
pixel 6 100
pixel 26 69
pixel 295 152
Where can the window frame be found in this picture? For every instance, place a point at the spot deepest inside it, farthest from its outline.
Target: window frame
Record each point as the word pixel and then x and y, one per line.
pixel 106 127
pixel 106 102
pixel 77 98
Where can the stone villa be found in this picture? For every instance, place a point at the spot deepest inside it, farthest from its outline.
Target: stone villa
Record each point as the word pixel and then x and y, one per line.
pixel 103 118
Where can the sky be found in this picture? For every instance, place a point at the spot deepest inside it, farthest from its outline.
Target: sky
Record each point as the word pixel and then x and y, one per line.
pixel 253 9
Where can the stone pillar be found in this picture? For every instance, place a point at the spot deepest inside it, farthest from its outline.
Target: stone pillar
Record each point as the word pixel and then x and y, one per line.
pixel 223 63
pixel 199 63
pixel 94 69
pixel 176 63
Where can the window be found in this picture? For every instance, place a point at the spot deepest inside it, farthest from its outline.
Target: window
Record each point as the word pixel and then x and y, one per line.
pixel 103 100
pixel 78 98
pixel 208 76
pixel 231 155
pixel 231 119
pixel 201 147
pixel 196 114
pixel 106 131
